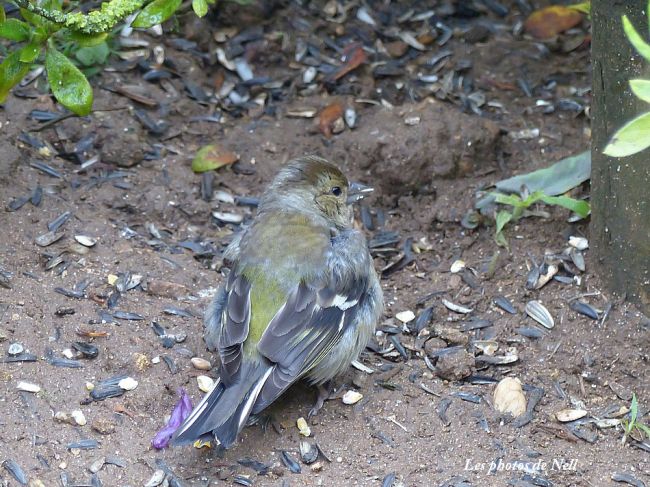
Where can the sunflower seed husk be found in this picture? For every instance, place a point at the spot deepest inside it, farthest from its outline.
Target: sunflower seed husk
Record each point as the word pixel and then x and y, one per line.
pixel 85 240
pixel 503 303
pixel 579 243
pixel 457 266
pixel 308 452
pixel 15 471
pixel 567 415
pixel 290 463
pixel 585 309
pixel 48 238
pixel 456 308
pixel 405 316
pixel 539 313
pixel 156 479
pixel 352 397
pixel 28 387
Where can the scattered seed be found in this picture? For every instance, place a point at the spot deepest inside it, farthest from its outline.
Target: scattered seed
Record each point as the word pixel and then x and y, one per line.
pixel 308 452
pixel 15 349
pixel 15 471
pixel 585 309
pixel 567 415
pixel 156 479
pixel 579 243
pixel 456 307
pixel 457 266
pixel 128 383
pixel 205 383
pixel 28 387
pixel 303 427
pixel 539 313
pixel 405 316
pixel 290 463
pixel 352 397
pixel 85 240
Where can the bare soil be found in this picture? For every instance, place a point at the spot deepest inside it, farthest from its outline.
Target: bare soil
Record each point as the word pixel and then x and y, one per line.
pixel 426 174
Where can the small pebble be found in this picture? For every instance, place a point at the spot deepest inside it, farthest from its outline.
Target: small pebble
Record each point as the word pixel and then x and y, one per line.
pixel 28 387
pixel 15 349
pixel 201 363
pixel 457 266
pixel 405 316
pixel 78 417
pixel 128 384
pixel 352 397
pixel 205 383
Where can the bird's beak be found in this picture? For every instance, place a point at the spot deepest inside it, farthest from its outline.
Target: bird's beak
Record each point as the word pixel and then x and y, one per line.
pixel 357 192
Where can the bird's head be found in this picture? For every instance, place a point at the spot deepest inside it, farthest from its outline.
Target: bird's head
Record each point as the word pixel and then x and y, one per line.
pixel 314 185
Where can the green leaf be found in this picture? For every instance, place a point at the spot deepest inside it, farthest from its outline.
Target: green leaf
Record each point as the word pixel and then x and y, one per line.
pixel 86 40
pixel 30 52
pixel 580 207
pixel 69 85
pixel 634 409
pixel 644 428
pixel 91 56
pixel 212 157
pixel 583 7
pixel 11 72
pixel 635 39
pixel 200 7
pixel 641 88
pixel 553 180
pixel 631 138
pixel 503 217
pixel 3 16
pixel 508 199
pixel 155 13
pixel 15 30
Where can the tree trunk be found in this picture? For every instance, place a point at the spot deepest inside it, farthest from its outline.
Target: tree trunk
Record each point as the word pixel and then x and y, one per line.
pixel 620 187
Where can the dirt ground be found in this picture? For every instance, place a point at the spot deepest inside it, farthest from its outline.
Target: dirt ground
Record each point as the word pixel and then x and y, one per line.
pixel 426 155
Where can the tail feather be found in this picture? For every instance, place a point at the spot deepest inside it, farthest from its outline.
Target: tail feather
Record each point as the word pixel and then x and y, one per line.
pixel 223 412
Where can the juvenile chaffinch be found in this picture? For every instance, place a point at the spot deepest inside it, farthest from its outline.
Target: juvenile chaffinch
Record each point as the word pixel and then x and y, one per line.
pixel 301 300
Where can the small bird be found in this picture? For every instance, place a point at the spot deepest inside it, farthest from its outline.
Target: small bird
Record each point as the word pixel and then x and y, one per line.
pixel 301 300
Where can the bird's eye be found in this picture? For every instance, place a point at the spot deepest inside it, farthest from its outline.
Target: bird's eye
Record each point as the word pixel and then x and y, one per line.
pixel 336 191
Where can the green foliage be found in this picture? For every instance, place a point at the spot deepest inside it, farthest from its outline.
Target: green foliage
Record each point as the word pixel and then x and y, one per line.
pixel 64 40
pixel 634 136
pixel 632 425
pixel 519 207
pixel 69 85
pixel 156 13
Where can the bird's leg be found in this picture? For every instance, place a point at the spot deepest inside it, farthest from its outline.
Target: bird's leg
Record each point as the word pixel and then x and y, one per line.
pixel 324 391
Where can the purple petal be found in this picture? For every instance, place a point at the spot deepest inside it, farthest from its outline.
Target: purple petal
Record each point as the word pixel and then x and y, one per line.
pixel 181 411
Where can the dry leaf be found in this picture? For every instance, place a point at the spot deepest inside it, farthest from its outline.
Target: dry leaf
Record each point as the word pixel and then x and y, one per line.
pixel 211 157
pixel 329 115
pixel 550 21
pixel 353 57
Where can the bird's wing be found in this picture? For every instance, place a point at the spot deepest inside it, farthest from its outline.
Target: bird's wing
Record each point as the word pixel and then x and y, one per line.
pixel 306 328
pixel 235 324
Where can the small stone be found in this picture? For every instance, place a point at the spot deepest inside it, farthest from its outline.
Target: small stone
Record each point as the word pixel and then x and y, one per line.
pixel 457 266
pixel 142 362
pixel 352 397
pixel 28 387
pixel 128 384
pixel 90 386
pixel 166 289
pixel 338 126
pixel 68 353
pixel 568 415
pixel 201 363
pixel 405 316
pixel 63 417
pixel 451 335
pixel 156 479
pixel 78 417
pixel 111 279
pixel 455 366
pixel 156 359
pixel 509 397
pixel 15 349
pixel 103 425
pixel 303 427
pixel 97 465
pixel 205 383
pixel 36 483
pixel 316 467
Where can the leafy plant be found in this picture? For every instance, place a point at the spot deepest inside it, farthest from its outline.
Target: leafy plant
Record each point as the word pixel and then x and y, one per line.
pixel 521 205
pixel 62 40
pixel 631 425
pixel 634 136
